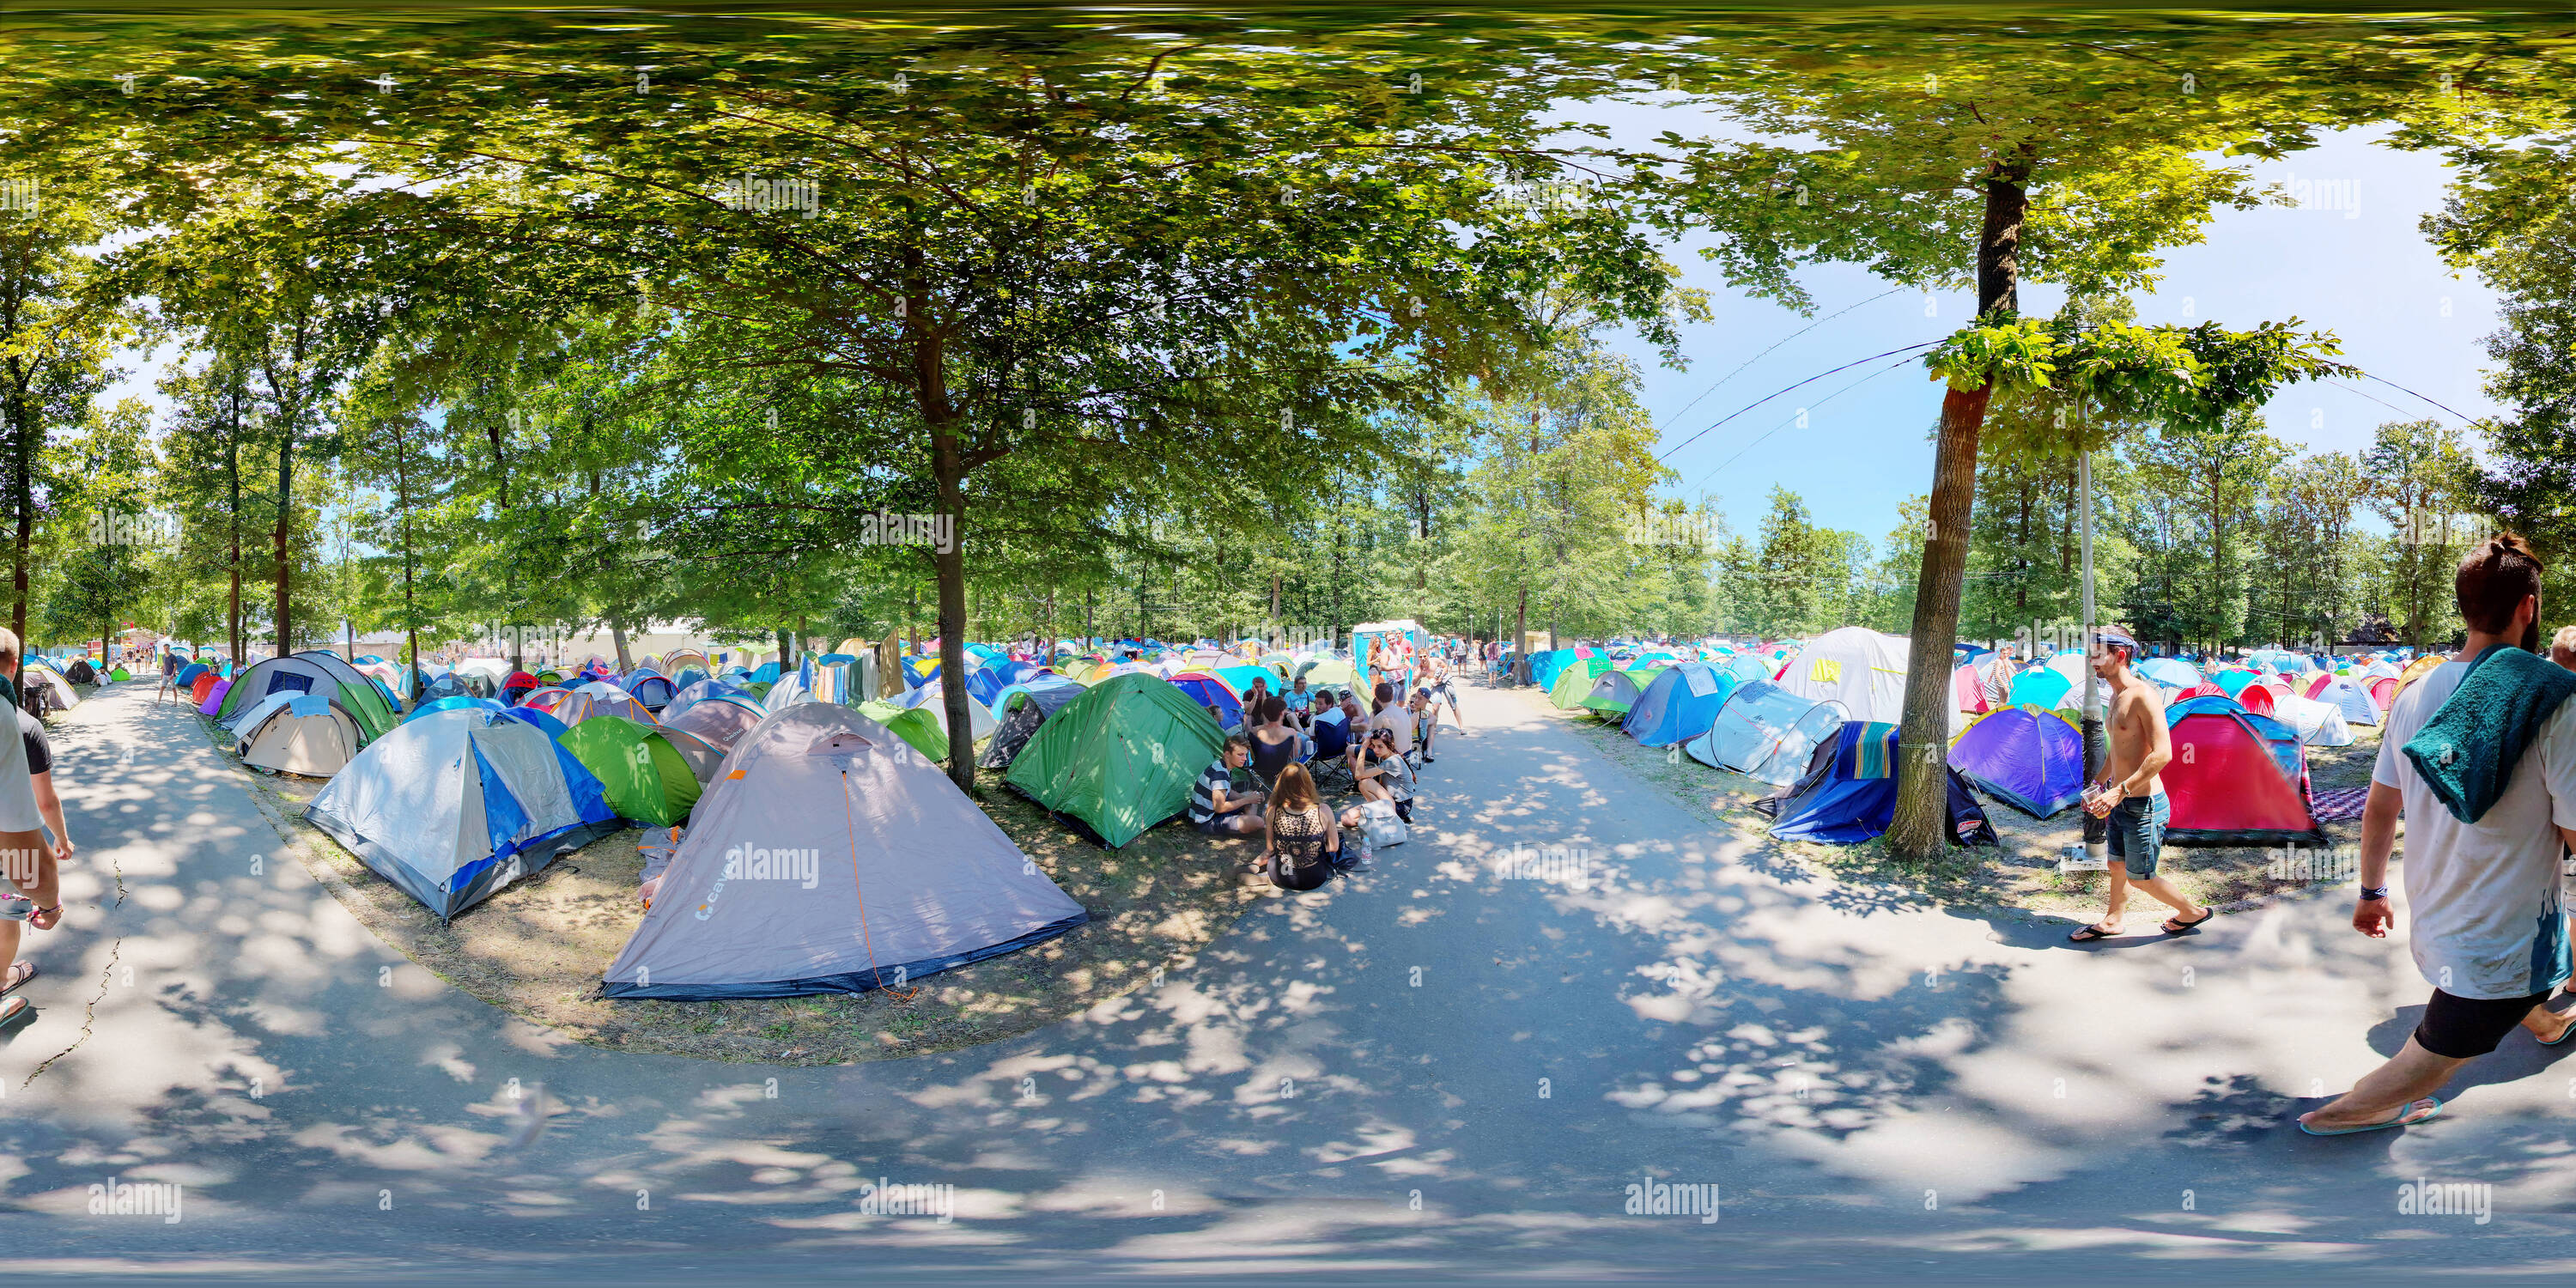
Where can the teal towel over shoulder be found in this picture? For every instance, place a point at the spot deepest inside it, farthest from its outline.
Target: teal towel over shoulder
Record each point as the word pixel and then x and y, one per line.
pixel 2467 751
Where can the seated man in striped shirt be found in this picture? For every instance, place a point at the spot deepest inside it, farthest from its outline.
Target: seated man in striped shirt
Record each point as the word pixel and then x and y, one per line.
pixel 1216 808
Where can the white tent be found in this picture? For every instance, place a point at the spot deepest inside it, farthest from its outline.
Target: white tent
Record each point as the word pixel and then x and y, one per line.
pixel 1855 666
pixel 978 716
pixel 298 733
pixel 831 857
pixel 2319 724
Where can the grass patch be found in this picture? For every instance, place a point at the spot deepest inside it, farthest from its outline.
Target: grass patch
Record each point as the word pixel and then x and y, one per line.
pixel 538 949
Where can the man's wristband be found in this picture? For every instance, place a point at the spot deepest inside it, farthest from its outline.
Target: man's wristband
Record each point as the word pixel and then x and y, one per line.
pixel 2374 892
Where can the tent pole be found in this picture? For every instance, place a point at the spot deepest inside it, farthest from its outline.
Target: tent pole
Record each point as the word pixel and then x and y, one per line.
pixel 2097 833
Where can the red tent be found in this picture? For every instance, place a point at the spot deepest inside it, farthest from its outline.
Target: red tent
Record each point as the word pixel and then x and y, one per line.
pixel 2238 779
pixel 2384 691
pixel 2256 698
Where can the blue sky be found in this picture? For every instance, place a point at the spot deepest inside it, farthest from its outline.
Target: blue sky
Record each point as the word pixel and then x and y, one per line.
pixel 2363 271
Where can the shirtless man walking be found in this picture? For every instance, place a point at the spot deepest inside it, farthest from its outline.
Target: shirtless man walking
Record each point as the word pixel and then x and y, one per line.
pixel 2136 804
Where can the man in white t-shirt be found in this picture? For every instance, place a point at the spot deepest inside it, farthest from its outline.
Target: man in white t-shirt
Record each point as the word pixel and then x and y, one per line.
pixel 30 885
pixel 2490 931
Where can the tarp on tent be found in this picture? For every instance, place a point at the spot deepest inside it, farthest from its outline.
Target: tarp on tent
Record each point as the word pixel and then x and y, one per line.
pixel 1767 733
pixel 1680 705
pixel 312 671
pixel 1616 692
pixel 641 773
pixel 832 858
pixel 1120 758
pixel 1848 794
pixel 456 805
pixel 2030 760
pixel 1023 708
pixel 298 733
pixel 2236 779
pixel 2347 695
pixel 1855 666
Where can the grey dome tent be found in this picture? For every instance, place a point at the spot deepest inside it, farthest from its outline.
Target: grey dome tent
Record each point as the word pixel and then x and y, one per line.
pixel 830 857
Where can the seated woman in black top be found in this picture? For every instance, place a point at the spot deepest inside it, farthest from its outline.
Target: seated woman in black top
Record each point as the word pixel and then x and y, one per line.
pixel 1303 844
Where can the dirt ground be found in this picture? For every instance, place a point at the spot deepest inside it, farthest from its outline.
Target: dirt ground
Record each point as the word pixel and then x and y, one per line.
pixel 538 948
pixel 2020 876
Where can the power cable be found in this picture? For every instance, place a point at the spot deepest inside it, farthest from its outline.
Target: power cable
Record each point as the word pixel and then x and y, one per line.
pixel 1667 453
pixel 1784 424
pixel 1721 380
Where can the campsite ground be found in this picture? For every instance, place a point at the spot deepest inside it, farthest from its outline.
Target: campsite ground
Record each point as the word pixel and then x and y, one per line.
pixel 539 948
pixel 1450 1067
pixel 2020 876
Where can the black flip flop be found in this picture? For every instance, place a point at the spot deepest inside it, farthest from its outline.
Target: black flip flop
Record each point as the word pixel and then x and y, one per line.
pixel 2171 929
pixel 2090 934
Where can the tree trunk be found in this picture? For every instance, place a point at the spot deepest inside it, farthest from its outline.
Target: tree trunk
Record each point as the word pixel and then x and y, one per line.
pixel 1520 640
pixel 947 463
pixel 285 513
pixel 1921 827
pixel 617 637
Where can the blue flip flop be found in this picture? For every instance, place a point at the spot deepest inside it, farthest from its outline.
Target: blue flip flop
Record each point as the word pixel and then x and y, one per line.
pixel 2561 1039
pixel 2401 1120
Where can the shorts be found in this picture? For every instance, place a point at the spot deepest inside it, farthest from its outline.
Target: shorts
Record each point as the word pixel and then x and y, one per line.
pixel 2138 833
pixel 2464 1028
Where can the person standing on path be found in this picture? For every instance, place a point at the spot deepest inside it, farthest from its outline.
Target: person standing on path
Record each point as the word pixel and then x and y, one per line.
pixel 2136 805
pixel 30 876
pixel 2480 755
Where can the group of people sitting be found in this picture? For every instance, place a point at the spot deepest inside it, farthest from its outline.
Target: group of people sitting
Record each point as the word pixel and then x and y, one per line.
pixel 1265 779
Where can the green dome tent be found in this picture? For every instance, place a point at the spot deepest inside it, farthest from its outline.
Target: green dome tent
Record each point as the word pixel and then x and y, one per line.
pixel 642 775
pixel 1574 683
pixel 1120 758
pixel 916 725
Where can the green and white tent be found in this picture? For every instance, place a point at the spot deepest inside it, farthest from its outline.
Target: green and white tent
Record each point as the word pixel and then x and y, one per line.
pixel 1574 683
pixel 1120 758
pixel 652 776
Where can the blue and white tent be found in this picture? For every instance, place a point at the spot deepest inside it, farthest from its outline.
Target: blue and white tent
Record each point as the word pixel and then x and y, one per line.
pixel 1767 733
pixel 457 804
pixel 1680 705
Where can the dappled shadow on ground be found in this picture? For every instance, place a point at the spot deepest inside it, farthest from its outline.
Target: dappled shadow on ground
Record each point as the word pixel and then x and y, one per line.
pixel 1561 986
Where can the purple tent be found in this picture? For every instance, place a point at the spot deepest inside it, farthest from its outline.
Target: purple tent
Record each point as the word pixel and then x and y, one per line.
pixel 215 698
